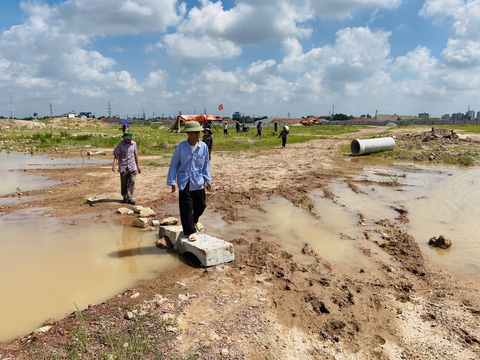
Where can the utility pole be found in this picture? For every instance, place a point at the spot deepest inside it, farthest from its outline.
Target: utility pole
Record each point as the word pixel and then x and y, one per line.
pixel 11 107
pixel 109 110
pixel 51 112
pixel 143 114
pixel 205 111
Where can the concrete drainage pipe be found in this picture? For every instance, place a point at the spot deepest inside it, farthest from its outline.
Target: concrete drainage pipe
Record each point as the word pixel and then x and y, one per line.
pixel 361 147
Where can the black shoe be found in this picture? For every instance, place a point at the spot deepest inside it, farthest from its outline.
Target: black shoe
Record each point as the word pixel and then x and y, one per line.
pixel 131 202
pixel 124 201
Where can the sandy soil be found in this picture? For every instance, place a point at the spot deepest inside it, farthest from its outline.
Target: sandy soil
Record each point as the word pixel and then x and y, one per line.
pixel 265 304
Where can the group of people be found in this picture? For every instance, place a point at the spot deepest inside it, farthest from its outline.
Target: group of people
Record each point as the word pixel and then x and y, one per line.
pixel 189 170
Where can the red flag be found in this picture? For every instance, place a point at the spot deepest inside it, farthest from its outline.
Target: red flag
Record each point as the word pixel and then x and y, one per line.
pixel 220 107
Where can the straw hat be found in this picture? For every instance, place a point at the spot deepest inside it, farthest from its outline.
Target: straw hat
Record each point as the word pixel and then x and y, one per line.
pixel 192 126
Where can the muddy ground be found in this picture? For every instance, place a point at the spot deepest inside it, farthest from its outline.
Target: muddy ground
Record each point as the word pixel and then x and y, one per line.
pixel 265 304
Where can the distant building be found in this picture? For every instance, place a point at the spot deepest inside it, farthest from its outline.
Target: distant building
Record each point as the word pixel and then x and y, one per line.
pixel 446 116
pixel 236 116
pixel 457 117
pixel 85 115
pixel 470 115
pixel 424 115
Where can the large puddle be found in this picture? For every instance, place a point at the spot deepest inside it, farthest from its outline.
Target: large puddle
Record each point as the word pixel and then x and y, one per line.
pixel 49 265
pixel 440 201
pixel 13 164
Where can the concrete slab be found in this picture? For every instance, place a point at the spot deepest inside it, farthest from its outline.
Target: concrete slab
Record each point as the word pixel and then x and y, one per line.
pixel 209 250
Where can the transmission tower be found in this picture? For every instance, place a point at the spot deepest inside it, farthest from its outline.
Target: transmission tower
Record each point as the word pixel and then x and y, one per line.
pixel 51 112
pixel 11 107
pixel 109 110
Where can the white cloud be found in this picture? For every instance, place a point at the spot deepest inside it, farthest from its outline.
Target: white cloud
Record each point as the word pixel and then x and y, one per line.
pixel 91 92
pixel 220 33
pixel 346 8
pixel 357 54
pixel 117 17
pixel 433 8
pixel 419 61
pixel 463 46
pixel 156 79
pixel 189 50
pixel 462 53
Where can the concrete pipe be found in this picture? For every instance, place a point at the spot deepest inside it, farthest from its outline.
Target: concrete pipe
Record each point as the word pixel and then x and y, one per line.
pixel 361 147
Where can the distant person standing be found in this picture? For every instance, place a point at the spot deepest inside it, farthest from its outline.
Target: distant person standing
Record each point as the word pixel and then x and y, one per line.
pixel 237 126
pixel 208 139
pixel 259 129
pixel 283 135
pixel 276 126
pixel 124 127
pixel 125 153
pixel 190 169
pixel 225 128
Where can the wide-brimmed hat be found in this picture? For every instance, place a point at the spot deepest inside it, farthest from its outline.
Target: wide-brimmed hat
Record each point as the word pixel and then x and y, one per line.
pixel 127 135
pixel 208 129
pixel 192 126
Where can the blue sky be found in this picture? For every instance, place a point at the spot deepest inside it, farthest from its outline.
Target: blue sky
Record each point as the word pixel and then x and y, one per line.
pixel 259 57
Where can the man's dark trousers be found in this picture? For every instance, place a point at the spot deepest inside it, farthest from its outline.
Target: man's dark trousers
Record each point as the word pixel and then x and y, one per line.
pixel 192 204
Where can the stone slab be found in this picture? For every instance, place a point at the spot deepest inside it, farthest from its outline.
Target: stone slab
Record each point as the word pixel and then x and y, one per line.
pixel 209 250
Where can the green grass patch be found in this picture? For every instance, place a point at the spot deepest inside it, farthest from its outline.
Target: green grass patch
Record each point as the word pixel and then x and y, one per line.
pixel 158 140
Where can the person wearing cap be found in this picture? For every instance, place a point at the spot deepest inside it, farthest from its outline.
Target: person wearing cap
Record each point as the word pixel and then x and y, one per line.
pixel 125 153
pixel 190 169
pixel 283 135
pixel 208 139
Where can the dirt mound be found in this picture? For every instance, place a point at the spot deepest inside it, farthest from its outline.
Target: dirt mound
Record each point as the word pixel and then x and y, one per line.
pixel 7 124
pixel 437 134
pixel 73 122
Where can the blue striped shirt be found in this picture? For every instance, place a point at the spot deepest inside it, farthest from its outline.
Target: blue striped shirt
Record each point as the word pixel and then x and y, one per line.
pixel 187 165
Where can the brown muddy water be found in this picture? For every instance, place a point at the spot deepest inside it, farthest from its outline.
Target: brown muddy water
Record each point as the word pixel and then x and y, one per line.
pixel 13 165
pixel 49 266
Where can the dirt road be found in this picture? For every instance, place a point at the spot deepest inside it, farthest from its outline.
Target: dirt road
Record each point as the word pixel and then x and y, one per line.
pixel 267 305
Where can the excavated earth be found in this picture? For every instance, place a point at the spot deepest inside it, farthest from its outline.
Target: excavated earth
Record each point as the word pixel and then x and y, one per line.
pixel 266 304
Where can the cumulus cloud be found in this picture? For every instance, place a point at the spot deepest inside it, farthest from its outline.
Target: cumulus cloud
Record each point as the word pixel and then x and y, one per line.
pixel 117 17
pixel 357 54
pixel 346 8
pixel 191 50
pixel 440 7
pixel 463 46
pixel 48 50
pixel 156 79
pixel 221 33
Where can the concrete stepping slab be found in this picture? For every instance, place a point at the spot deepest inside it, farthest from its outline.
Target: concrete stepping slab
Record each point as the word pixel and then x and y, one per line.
pixel 209 250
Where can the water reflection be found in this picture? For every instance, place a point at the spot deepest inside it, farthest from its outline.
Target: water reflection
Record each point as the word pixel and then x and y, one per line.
pixel 292 228
pixel 441 201
pixel 13 164
pixel 50 264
